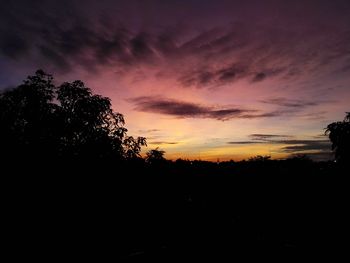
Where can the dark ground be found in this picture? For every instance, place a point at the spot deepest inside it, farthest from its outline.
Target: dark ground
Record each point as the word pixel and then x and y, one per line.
pixel 176 210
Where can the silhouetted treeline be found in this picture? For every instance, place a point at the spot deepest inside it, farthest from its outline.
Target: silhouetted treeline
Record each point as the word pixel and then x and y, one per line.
pixel 44 122
pixel 77 187
pixel 180 209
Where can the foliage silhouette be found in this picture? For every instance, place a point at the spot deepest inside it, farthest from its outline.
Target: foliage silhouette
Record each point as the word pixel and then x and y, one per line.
pixel 41 120
pixel 155 156
pixel 339 134
pixel 260 158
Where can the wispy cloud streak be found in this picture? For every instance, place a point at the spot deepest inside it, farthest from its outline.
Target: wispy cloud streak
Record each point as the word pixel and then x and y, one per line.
pixel 183 109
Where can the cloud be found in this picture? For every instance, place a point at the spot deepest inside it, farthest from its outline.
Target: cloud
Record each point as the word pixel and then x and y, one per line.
pixel 294 146
pixel 320 115
pixel 162 142
pixel 290 103
pixel 230 73
pixel 264 137
pixel 245 142
pixel 294 103
pixel 264 115
pixel 204 77
pixel 149 131
pixel 320 136
pixel 182 109
pixel 259 77
pixel 306 145
pixel 140 47
pixel 208 77
pixel 69 34
pixel 65 40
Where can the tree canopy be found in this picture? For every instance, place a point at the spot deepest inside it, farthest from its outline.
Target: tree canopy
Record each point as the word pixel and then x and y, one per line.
pixel 39 119
pixel 155 156
pixel 339 135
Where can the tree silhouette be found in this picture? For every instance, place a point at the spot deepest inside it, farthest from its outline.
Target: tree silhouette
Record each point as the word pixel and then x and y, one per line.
pixel 260 158
pixel 27 116
pixel 339 134
pixel 39 119
pixel 155 156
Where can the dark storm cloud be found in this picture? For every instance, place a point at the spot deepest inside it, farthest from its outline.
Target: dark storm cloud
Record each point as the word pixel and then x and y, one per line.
pixel 184 109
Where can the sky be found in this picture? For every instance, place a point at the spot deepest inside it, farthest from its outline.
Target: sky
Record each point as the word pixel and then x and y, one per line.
pixel 210 80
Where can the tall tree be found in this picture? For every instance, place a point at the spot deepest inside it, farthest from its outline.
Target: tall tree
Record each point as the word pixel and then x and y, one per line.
pixel 41 120
pixel 339 135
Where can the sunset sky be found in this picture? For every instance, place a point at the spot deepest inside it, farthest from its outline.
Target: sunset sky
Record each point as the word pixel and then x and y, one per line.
pixel 199 79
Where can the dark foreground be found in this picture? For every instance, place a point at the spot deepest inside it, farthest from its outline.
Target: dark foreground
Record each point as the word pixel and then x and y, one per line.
pixel 176 210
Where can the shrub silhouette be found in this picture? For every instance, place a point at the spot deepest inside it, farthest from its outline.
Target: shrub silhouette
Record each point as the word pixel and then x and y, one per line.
pixel 155 156
pixel 41 120
pixel 339 134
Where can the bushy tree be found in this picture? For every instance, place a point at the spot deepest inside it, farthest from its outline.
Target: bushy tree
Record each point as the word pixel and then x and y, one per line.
pixel 41 120
pixel 155 156
pixel 339 135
